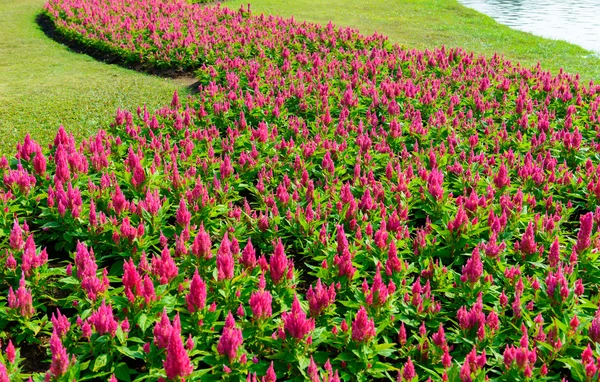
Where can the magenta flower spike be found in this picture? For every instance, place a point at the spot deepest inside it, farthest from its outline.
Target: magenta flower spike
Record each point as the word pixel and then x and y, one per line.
pixel 16 237
pixel 177 361
pixel 22 300
pixel 202 246
pixel 363 328
pixel 320 297
pixel 60 358
pixel 60 323
pixel 278 263
pixel 585 232
pixel 230 340
pixel 183 215
pixel 3 373
pixel 196 298
pixel 295 322
pixel 225 261
pixel 473 270
pixel 103 320
pixel 10 352
pixel 162 331
pixel 261 301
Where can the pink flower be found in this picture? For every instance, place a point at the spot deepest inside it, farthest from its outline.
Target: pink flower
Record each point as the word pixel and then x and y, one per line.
pixel 147 291
pixel 528 245
pixel 225 262
pixel 16 237
pixel 248 259
pixel 435 182
pixel 103 320
pixel 60 323
pixel 164 267
pixel 177 361
pixel 585 232
pixel 393 263
pixel 378 293
pixel 162 331
pixel 278 263
pixel 196 299
pixel 594 330
pixel 502 179
pixel 22 300
pixel 230 340
pixel 409 370
pixel 3 372
pixel 320 298
pixel 10 352
pixel 131 280
pixel 473 270
pixel 183 215
pixel 295 322
pixel 313 371
pixel 363 328
pixel 60 358
pixel 270 376
pixel 202 245
pixel 260 301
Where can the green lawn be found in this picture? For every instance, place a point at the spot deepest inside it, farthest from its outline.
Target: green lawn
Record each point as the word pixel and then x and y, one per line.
pixel 43 84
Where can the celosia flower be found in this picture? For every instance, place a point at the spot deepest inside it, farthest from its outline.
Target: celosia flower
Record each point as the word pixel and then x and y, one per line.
pixel 16 237
pixel 202 245
pixel 164 267
pixel 363 328
pixel 473 270
pixel 260 301
pixel 183 215
pixel 196 299
pixel 3 373
pixel 270 376
pixel 528 245
pixel 10 352
pixel 162 331
pixel 409 372
pixel 320 297
pixel 177 361
pixel 248 259
pixel 60 323
pixel 60 358
pixel 22 300
pixel 225 262
pixel 295 322
pixel 230 340
pixel 103 320
pixel 585 232
pixel 278 263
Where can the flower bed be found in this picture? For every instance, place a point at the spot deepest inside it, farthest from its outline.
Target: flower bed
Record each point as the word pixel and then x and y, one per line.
pixel 328 206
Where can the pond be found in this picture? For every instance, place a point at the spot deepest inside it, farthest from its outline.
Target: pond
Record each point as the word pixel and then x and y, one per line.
pixel 575 21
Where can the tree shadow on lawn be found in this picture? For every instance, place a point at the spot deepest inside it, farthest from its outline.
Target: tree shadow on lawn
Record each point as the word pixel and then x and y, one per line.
pixel 107 56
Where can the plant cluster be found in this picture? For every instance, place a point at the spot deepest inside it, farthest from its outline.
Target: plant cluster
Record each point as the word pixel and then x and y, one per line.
pixel 328 207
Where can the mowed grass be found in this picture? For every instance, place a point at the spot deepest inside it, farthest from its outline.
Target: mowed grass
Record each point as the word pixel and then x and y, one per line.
pixel 43 84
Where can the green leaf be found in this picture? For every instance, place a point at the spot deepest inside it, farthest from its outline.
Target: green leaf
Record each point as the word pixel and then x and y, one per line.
pixel 100 362
pixel 122 372
pixel 143 322
pixel 385 350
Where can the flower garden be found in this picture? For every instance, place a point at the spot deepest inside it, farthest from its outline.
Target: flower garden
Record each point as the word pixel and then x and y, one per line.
pixel 328 207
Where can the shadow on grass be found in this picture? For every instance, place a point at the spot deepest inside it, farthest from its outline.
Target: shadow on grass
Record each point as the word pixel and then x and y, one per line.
pixel 109 57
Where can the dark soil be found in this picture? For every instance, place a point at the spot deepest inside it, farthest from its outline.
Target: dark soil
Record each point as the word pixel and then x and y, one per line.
pixel 34 356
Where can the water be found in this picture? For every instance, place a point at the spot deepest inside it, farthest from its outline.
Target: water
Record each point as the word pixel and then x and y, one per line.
pixel 575 21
